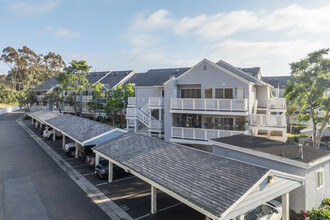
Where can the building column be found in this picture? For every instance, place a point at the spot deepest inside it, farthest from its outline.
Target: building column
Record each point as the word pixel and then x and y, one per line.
pixel 110 179
pixel 97 158
pixel 240 217
pixel 36 124
pixel 207 218
pixel 285 206
pixel 54 134
pixel 40 125
pixel 135 126
pixel 153 200
pixel 63 140
pixel 284 136
pixel 77 149
pixel 160 114
pixel 32 121
pixel 127 125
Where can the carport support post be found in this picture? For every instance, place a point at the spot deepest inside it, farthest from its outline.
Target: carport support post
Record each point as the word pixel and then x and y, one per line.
pixel 77 149
pixel 153 200
pixel 32 120
pixel 54 134
pixel 285 206
pixel 110 172
pixel 63 140
pixel 97 159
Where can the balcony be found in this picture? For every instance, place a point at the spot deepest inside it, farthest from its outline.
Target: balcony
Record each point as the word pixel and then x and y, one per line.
pixel 156 125
pixel 277 103
pixel 35 107
pixel 86 98
pixel 200 134
pixel 78 98
pixel 68 108
pixel 131 113
pixel 263 120
pixel 40 98
pixel 131 102
pixel 240 105
pixel 156 102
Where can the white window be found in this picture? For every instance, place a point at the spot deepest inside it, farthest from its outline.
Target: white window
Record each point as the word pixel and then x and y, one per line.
pixel 319 179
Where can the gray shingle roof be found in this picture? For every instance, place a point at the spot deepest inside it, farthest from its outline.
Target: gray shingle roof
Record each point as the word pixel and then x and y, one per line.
pixel 47 85
pixel 114 78
pixel 79 128
pixel 278 81
pixel 43 115
pixel 156 77
pixel 93 77
pixel 212 182
pixel 240 73
pixel 291 151
pixel 253 71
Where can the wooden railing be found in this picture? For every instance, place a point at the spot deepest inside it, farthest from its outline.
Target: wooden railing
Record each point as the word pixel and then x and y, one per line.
pixel 268 120
pixel 210 104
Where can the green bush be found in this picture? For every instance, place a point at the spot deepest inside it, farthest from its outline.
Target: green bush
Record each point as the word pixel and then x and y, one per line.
pixel 8 96
pixel 323 213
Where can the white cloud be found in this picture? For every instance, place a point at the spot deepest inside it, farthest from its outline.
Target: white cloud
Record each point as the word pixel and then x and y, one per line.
pixel 65 33
pixel 273 57
pixel 25 8
pixel 293 18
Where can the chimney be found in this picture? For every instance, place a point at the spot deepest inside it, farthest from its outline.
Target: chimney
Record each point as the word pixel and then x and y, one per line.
pixel 301 151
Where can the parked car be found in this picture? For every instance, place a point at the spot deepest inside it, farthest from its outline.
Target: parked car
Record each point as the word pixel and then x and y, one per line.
pixel 48 133
pixel 84 151
pixel 70 148
pixel 102 170
pixel 271 210
pixel 90 160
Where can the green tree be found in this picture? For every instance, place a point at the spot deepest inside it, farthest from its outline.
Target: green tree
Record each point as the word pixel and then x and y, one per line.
pixel 95 103
pixel 73 79
pixel 293 113
pixel 114 103
pixel 312 76
pixel 55 96
pixel 128 92
pixel 26 98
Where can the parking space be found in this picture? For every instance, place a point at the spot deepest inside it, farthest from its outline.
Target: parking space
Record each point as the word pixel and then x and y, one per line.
pixel 129 192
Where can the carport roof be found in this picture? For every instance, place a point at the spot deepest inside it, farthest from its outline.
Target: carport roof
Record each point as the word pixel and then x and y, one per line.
pixel 213 183
pixel 42 115
pixel 80 129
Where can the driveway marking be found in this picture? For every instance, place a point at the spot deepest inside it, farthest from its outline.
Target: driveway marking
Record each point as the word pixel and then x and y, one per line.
pixel 101 184
pixel 133 194
pixel 108 206
pixel 143 216
pixel 171 206
pixel 79 165
pixel 87 174
pixel 130 177
pixel 71 158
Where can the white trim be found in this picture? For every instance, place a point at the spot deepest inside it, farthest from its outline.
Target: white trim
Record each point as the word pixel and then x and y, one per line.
pixel 160 187
pixel 101 77
pixel 146 87
pixel 126 78
pixel 187 141
pixel 316 175
pixel 261 154
pixel 233 113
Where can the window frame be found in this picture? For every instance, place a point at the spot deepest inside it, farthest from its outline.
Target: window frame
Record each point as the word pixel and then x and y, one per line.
pixel 317 175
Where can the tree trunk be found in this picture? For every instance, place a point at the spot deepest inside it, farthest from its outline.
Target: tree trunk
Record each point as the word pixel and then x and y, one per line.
pixel 291 125
pixel 113 119
pixel 324 123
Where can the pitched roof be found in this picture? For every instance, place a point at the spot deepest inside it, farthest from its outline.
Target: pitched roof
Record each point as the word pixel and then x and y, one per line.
pixel 278 81
pixel 247 76
pixel 290 151
pixel 78 128
pixel 113 78
pixel 93 77
pixel 156 77
pixel 47 85
pixel 210 181
pixel 42 115
pixel 253 71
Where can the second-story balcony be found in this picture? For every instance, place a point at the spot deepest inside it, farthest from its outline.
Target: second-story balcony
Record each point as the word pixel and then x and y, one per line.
pixel 156 102
pixel 131 102
pixel 86 98
pixel 277 103
pixel 238 105
pixel 40 98
pixel 263 120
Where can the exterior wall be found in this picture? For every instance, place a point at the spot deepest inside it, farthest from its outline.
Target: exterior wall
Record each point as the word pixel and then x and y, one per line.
pixel 315 196
pixel 262 96
pixel 252 97
pixel 142 95
pixel 297 196
pixel 212 78
pixel 171 91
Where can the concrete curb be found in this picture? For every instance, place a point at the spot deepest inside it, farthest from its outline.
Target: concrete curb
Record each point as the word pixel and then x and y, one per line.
pixel 108 206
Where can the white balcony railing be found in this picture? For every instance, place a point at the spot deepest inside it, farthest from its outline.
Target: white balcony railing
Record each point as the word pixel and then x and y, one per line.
pixel 68 108
pixel 86 98
pixel 210 104
pixel 35 107
pixel 156 102
pixel 40 97
pixel 130 112
pixel 131 101
pixel 201 134
pixel 78 98
pixel 157 125
pixel 268 120
pixel 277 103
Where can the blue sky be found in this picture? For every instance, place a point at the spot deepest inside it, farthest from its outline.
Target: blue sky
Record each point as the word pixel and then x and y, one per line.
pixel 146 34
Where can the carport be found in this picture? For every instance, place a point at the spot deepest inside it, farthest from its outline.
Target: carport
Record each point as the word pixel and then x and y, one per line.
pixel 216 186
pixel 83 131
pixel 39 117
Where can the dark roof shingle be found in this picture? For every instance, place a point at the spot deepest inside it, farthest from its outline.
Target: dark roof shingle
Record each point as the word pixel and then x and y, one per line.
pixel 212 182
pixel 114 78
pixel 278 81
pixel 47 85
